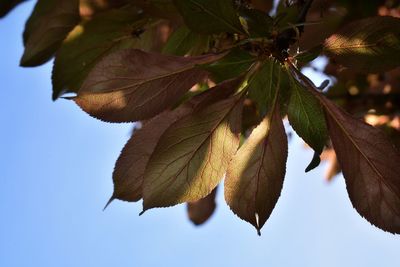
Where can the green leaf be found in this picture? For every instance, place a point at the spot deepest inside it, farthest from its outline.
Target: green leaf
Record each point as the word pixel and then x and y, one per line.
pixel 7 5
pixel 235 63
pixel 307 118
pixel 255 175
pixel 131 164
pixel 256 23
pixel 263 85
pixel 368 45
pixel 91 41
pixel 210 16
pixel 47 27
pixel 193 155
pixel 185 42
pixel 132 85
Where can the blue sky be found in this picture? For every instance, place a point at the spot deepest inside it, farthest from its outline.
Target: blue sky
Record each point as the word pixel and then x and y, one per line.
pixel 56 165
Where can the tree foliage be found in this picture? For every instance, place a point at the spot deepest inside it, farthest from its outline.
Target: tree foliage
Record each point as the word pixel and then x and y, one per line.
pixel 211 83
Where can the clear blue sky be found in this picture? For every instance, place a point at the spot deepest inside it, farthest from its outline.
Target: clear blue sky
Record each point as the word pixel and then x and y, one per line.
pixel 56 164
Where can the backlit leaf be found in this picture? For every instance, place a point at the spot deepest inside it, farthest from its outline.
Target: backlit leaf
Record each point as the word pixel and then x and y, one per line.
pixel 235 63
pixel 201 210
pixel 193 155
pixel 255 175
pixel 307 118
pixel 132 85
pixel 370 165
pixel 130 167
pixel 369 45
pixel 47 27
pixel 185 42
pixel 210 16
pixel 90 41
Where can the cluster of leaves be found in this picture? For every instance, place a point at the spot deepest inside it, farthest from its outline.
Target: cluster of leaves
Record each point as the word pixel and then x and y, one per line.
pixel 211 83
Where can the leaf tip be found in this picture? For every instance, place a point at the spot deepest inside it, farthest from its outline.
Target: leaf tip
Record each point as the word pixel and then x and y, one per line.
pixel 112 198
pixel 316 160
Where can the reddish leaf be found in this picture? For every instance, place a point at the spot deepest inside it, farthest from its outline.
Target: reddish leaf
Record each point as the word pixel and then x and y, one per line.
pixel 132 85
pixel 255 176
pixel 370 165
pixel 201 210
pixel 130 166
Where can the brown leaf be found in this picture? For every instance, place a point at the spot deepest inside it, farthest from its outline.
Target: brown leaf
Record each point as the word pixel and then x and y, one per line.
pixel 132 85
pixel 201 210
pixel 47 27
pixel 255 175
pixel 193 154
pixel 369 162
pixel 131 164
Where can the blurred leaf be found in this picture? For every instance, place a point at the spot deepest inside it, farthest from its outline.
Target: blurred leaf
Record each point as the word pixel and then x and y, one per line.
pixel 263 5
pixel 368 45
pixel 235 63
pixel 256 23
pixel 192 155
pixel 210 16
pixel 130 167
pixel 307 118
pixel 7 5
pixel 255 175
pixel 201 210
pixel 91 41
pixel 47 27
pixel 131 85
pixel 185 42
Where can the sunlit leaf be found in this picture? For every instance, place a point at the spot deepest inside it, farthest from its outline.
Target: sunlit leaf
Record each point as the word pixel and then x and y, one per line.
pixel 130 167
pixel 91 41
pixel 131 85
pixel 201 210
pixel 47 27
pixel 255 175
pixel 369 45
pixel 192 155
pixel 210 16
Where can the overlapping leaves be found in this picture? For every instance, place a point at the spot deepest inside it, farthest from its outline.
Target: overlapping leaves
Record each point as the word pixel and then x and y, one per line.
pixel 186 69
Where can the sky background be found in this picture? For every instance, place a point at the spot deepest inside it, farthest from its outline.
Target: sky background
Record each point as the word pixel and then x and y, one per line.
pixel 56 164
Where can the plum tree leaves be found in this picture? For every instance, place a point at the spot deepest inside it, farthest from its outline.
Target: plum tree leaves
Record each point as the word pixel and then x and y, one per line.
pixel 369 45
pixel 132 85
pixel 205 76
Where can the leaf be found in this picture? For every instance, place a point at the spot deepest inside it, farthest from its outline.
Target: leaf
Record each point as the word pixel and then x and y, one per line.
pixel 192 155
pixel 256 23
pixel 210 16
pixel 201 210
pixel 132 85
pixel 47 27
pixel 185 42
pixel 7 5
pixel 235 63
pixel 255 175
pixel 131 164
pixel 370 165
pixel 91 41
pixel 367 45
pixel 307 118
pixel 263 85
